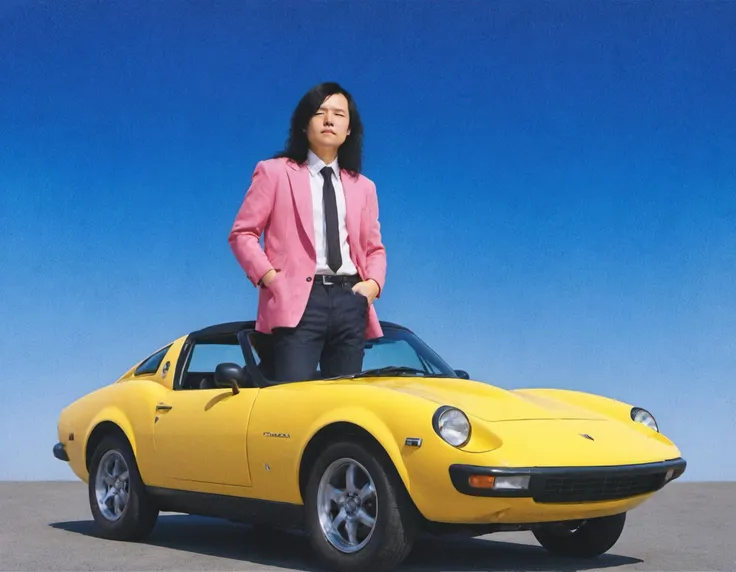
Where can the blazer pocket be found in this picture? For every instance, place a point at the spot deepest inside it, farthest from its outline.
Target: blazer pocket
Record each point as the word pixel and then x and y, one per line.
pixel 278 281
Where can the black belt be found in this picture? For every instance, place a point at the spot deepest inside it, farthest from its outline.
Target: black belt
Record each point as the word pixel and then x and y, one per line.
pixel 329 279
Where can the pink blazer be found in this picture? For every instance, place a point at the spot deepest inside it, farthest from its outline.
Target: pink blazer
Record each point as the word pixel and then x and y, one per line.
pixel 279 204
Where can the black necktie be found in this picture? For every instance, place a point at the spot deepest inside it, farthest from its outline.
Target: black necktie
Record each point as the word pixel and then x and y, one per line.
pixel 334 259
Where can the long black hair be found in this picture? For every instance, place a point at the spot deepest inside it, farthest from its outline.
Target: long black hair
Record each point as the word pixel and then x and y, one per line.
pixel 350 153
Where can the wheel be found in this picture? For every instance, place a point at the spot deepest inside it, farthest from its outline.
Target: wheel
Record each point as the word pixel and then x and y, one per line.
pixel 358 514
pixel 120 506
pixel 591 538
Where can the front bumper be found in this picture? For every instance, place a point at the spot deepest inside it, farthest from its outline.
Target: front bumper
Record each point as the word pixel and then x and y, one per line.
pixel 569 484
pixel 60 452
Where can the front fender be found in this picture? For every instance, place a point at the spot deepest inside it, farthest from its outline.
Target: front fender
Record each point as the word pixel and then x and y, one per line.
pixel 388 437
pixel 285 420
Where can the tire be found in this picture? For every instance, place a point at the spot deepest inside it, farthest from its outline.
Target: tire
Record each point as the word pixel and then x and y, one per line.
pixel 392 535
pixel 129 514
pixel 592 538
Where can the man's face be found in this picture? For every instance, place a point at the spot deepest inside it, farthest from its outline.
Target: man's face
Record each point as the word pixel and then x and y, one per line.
pixel 330 125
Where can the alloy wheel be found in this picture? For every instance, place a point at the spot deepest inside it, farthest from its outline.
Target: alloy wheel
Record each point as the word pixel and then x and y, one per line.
pixel 347 505
pixel 112 485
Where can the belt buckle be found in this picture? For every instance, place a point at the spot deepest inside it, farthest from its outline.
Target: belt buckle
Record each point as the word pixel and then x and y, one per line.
pixel 324 279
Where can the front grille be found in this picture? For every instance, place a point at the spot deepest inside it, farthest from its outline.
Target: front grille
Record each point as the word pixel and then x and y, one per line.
pixel 590 488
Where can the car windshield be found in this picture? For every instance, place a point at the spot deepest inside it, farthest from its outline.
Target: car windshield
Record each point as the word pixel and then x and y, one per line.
pixel 402 353
pixel 397 353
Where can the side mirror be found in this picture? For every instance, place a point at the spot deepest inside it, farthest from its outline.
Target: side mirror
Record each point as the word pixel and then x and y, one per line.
pixel 231 375
pixel 462 374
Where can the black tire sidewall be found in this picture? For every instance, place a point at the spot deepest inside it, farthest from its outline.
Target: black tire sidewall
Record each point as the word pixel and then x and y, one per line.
pixel 595 537
pixel 140 514
pixel 392 534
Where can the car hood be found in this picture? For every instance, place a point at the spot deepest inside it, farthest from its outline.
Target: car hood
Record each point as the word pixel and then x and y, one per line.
pixel 485 401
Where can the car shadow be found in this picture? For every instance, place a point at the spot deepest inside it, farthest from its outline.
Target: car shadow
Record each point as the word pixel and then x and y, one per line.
pixel 223 539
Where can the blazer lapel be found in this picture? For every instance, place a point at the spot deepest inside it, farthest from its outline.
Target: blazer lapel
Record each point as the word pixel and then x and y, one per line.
pixel 302 192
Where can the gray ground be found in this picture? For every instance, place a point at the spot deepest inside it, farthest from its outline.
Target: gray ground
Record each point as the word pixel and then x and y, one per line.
pixel 47 526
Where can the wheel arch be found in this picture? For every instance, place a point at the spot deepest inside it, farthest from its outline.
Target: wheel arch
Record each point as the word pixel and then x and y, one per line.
pixel 342 430
pixel 102 429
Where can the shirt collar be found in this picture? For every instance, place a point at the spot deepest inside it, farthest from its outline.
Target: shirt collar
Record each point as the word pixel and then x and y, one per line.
pixel 316 164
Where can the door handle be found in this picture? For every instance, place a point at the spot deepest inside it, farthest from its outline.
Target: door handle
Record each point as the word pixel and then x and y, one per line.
pixel 162 407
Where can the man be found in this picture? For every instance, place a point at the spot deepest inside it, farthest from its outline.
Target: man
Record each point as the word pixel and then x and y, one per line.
pixel 323 262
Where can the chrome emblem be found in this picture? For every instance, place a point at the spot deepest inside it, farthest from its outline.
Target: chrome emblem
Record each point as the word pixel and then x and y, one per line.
pixel 586 436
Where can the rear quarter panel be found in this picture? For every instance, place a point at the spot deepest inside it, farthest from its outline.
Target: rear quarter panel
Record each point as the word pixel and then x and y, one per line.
pixel 129 403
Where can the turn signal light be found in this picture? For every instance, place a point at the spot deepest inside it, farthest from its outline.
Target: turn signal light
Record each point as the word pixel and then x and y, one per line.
pixel 482 481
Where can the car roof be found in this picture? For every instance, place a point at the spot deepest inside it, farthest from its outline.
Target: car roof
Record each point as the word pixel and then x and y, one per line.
pixel 226 328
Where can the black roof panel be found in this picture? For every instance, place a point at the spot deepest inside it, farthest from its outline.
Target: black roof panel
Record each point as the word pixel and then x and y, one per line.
pixel 226 328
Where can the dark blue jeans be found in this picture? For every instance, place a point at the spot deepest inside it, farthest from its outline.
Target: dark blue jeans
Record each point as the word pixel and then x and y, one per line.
pixel 331 333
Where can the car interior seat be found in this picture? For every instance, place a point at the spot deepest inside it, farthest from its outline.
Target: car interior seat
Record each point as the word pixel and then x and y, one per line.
pixel 207 382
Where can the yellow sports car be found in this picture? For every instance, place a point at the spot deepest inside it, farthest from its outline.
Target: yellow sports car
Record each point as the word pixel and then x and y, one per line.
pixel 363 463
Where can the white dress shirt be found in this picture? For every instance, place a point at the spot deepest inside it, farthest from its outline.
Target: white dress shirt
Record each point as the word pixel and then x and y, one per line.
pixel 320 235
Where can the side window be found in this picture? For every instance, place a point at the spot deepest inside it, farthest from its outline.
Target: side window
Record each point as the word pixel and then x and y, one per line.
pixel 204 358
pixel 151 364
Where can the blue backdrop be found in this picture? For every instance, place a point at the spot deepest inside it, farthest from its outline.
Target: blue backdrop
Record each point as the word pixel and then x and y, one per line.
pixel 556 184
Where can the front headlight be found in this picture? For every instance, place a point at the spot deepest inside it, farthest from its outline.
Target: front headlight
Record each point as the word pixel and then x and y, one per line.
pixel 452 425
pixel 643 416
